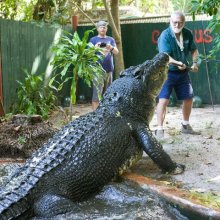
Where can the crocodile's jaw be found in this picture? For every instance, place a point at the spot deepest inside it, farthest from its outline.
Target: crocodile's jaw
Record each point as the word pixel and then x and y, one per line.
pixel 155 74
pixel 152 72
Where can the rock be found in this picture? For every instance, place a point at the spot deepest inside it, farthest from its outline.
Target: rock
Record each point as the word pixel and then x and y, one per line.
pixel 21 119
pixel 197 102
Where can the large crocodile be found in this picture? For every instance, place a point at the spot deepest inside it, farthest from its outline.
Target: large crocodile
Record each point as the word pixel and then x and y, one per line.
pixel 88 152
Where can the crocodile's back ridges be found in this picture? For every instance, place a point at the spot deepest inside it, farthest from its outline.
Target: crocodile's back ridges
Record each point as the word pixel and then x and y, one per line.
pixel 54 154
pixel 43 161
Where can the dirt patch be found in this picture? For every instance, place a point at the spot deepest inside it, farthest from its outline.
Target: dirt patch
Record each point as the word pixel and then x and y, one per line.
pixel 21 135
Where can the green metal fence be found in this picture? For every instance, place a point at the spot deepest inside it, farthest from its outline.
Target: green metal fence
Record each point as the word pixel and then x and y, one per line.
pixel 27 46
pixel 24 46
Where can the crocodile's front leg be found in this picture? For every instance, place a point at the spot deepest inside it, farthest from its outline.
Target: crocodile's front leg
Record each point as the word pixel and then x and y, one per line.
pixel 155 151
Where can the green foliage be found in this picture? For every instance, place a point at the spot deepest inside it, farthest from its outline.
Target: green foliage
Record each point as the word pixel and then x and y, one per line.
pixel 7 116
pixel 210 7
pixel 17 9
pixel 214 26
pixel 182 5
pixel 208 199
pixel 21 139
pixel 99 3
pixel 34 97
pixel 206 6
pixel 148 6
pixel 53 11
pixel 82 57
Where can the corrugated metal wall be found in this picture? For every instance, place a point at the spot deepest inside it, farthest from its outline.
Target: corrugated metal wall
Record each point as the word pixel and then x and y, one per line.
pixel 24 45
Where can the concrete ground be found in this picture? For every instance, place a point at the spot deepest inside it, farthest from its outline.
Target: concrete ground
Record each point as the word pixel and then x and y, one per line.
pixel 199 153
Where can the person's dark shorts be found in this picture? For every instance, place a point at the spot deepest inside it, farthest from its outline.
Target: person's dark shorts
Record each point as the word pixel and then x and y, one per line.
pixel 180 83
pixel 102 87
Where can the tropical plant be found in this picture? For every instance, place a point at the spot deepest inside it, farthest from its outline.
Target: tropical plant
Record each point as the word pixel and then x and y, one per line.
pixel 34 97
pixel 210 7
pixel 79 56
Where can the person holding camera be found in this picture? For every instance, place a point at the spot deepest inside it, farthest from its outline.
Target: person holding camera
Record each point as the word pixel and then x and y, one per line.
pixel 108 45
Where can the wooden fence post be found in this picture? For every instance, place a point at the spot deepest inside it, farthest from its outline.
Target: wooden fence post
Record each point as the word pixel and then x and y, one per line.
pixel 74 22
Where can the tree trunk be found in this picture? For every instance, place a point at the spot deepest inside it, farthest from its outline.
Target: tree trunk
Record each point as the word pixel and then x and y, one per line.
pixel 114 21
pixel 119 59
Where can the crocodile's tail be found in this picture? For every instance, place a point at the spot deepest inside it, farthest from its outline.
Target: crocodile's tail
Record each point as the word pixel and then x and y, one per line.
pixel 13 206
pixel 14 196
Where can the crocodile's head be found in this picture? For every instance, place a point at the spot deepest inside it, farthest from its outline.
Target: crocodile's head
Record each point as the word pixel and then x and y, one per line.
pixel 152 72
pixel 134 93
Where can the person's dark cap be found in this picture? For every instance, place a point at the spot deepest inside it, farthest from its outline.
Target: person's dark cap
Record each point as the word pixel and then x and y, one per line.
pixel 101 24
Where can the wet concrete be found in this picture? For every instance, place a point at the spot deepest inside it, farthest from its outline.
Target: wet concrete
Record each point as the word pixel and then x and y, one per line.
pixel 121 200
pixel 171 202
pixel 177 197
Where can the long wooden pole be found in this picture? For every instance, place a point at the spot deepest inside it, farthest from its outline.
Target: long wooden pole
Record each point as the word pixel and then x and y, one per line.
pixel 207 70
pixel 2 113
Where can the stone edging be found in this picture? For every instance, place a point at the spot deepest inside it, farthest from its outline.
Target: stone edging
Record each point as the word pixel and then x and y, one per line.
pixel 174 196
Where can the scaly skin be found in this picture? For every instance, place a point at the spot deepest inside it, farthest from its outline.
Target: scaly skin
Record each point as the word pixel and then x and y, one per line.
pixel 87 153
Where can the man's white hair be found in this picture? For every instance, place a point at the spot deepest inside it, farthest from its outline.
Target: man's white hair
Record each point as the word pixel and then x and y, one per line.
pixel 178 13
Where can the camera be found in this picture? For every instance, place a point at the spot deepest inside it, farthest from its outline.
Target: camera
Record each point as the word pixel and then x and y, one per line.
pixel 103 44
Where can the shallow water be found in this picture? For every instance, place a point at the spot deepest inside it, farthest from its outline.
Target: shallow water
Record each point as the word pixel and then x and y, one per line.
pixel 124 200
pixel 118 200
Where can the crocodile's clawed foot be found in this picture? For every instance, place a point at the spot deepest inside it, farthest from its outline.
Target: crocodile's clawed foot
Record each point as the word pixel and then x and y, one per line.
pixel 179 169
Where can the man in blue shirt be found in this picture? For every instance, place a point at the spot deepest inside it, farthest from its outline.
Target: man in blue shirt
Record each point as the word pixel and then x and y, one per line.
pixel 178 42
pixel 109 48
